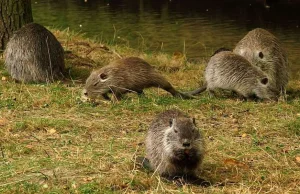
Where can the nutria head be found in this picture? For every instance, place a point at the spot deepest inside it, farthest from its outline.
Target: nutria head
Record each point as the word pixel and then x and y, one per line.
pixel 182 134
pixel 98 83
pixel 264 90
pixel 263 49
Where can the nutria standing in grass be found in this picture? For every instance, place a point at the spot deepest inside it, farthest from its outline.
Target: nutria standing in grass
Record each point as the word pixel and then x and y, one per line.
pixel 130 74
pixel 174 146
pixel 264 50
pixel 230 71
pixel 33 54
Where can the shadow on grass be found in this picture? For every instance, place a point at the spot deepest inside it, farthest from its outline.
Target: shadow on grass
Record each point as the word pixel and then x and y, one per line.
pixel 292 94
pixel 144 165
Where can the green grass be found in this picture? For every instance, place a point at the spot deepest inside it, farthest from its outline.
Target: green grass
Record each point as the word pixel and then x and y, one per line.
pixel 52 142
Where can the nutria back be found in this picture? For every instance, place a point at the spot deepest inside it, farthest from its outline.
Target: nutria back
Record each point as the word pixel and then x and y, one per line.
pixel 174 145
pixel 227 70
pixel 33 54
pixel 125 75
pixel 264 50
pixel 230 71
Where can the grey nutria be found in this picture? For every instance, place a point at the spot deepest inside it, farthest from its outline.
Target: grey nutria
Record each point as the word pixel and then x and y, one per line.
pixel 33 54
pixel 220 50
pixel 174 145
pixel 125 75
pixel 229 71
pixel 263 49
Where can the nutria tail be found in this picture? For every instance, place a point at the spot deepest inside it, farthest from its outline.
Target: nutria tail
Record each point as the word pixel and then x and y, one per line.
pixel 178 94
pixel 184 95
pixel 197 91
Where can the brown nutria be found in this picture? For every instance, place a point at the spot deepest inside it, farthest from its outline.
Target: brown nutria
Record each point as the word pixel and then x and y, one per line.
pixel 130 74
pixel 33 54
pixel 263 49
pixel 227 70
pixel 174 145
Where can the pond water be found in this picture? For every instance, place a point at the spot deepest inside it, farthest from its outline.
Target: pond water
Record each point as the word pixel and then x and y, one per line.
pixel 196 27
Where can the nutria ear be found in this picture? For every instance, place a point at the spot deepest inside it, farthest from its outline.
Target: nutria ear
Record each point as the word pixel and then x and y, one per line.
pixel 103 77
pixel 264 81
pixel 170 122
pixel 261 55
pixel 194 121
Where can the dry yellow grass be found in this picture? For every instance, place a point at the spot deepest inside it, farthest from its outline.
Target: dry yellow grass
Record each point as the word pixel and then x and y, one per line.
pixel 51 142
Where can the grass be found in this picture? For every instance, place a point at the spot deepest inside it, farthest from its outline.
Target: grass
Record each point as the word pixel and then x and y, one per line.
pixel 52 142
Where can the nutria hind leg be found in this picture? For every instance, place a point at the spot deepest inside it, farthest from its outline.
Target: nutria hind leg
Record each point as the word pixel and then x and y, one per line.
pixel 195 180
pixel 211 93
pixel 140 92
pixel 105 96
pixel 116 97
pixel 181 180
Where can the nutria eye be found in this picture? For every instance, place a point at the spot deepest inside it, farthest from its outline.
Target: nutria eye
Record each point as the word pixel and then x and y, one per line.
pixel 103 76
pixel 175 131
pixel 171 122
pixel 264 81
pixel 261 55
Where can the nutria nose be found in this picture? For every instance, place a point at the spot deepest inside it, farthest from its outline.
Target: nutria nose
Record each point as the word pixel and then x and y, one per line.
pixel 84 92
pixel 186 144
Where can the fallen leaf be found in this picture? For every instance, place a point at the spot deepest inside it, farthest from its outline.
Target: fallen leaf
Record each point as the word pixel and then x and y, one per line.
pixel 4 78
pixel 51 131
pixel 3 121
pixel 234 120
pixel 74 186
pixel 244 135
pixel 29 146
pixel 235 129
pixel 233 162
pixel 297 159
pixel 87 179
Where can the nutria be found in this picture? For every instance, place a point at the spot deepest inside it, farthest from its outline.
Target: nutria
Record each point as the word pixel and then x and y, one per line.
pixel 33 54
pixel 227 70
pixel 220 50
pixel 264 50
pixel 130 74
pixel 174 145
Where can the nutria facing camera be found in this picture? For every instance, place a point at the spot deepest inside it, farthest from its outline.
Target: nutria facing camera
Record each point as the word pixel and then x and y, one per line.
pixel 33 54
pixel 130 74
pixel 174 145
pixel 263 49
pixel 230 71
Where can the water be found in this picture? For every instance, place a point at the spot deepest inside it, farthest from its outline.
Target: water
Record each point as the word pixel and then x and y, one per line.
pixel 196 27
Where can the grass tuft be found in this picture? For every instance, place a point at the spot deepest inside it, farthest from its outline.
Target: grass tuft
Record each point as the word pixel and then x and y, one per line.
pixel 52 142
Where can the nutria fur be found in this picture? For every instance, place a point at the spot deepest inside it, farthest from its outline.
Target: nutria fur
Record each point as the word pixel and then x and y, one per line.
pixel 33 54
pixel 264 50
pixel 174 146
pixel 130 74
pixel 220 50
pixel 230 71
